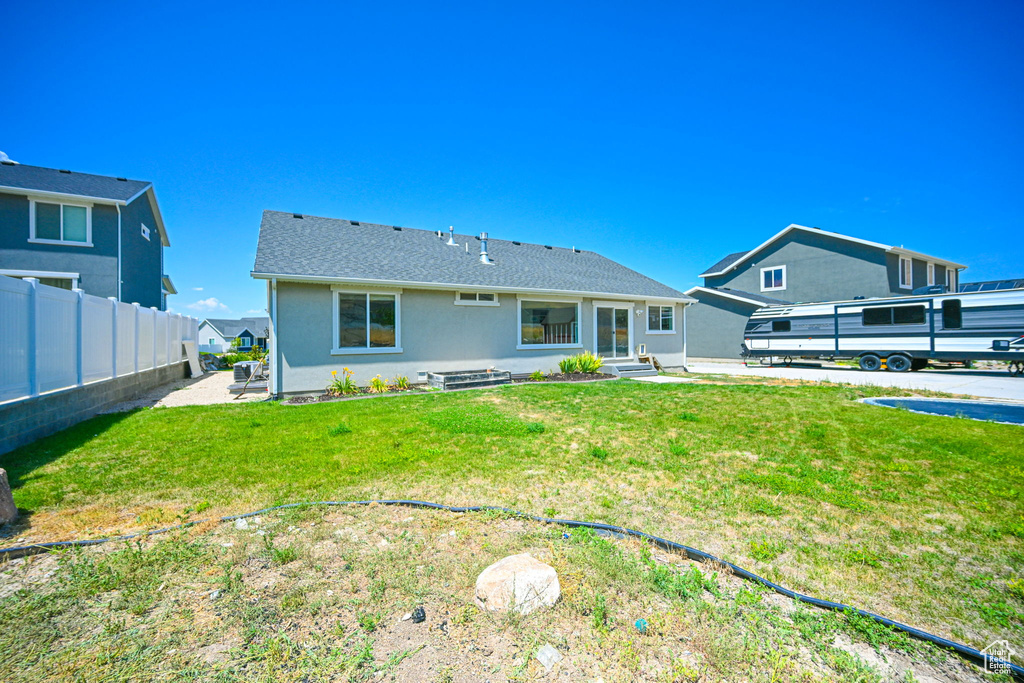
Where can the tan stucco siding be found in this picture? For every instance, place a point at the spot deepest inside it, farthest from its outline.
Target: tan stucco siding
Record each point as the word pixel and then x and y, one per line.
pixel 436 336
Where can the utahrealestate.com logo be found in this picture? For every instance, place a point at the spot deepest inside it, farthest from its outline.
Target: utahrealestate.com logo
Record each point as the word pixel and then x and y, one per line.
pixel 997 657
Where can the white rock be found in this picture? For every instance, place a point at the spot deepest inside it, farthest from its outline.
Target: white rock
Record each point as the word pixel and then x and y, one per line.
pixel 548 656
pixel 242 524
pixel 517 582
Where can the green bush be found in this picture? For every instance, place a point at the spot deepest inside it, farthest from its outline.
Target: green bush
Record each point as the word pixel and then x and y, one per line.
pixel 232 358
pixel 585 362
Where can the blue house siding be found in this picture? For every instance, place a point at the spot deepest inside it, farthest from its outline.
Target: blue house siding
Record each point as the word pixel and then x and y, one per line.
pixel 141 280
pixel 142 267
pixel 96 265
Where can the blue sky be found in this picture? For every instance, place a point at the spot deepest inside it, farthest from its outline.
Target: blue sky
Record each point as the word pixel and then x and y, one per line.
pixel 660 135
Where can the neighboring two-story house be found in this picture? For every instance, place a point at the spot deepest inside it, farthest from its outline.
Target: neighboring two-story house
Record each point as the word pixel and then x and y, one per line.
pixel 216 334
pixel 800 265
pixel 100 234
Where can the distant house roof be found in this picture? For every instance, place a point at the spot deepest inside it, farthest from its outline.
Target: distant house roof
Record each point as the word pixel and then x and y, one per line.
pixel 748 297
pixel 733 260
pixel 229 329
pixel 64 184
pixel 299 247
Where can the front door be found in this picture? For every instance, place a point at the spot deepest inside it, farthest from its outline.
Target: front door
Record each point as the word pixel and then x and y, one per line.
pixel 613 333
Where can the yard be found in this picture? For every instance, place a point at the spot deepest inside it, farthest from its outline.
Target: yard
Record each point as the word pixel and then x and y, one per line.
pixel 914 517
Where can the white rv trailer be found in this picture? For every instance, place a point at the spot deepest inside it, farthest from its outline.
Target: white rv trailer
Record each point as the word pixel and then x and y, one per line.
pixel 905 331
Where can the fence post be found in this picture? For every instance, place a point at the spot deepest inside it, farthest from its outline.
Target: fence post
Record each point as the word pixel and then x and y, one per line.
pixel 79 338
pixel 113 338
pixel 33 337
pixel 155 340
pixel 138 346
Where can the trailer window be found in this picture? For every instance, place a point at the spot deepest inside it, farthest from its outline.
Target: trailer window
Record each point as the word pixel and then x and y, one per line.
pixel 908 315
pixel 952 316
pixel 878 316
pixel 894 315
pixel 780 326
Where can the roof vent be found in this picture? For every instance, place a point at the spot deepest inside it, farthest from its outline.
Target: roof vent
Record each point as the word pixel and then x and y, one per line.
pixel 483 249
pixel 395 227
pixel 451 237
pixel 547 246
pixel 64 170
pixel 123 180
pixel 354 222
pixel 296 215
pixel 8 162
pixel 575 250
pixel 517 243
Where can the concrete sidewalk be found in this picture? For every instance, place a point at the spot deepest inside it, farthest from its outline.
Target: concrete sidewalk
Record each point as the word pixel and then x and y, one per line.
pixel 983 383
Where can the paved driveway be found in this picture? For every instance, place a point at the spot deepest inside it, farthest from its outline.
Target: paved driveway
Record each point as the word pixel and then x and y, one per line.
pixel 985 383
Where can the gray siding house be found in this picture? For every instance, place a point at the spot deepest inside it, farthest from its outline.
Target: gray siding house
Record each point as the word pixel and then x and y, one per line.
pixel 216 334
pixel 387 300
pixel 802 265
pixel 101 234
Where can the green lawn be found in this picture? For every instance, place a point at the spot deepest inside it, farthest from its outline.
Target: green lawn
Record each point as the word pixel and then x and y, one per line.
pixel 919 518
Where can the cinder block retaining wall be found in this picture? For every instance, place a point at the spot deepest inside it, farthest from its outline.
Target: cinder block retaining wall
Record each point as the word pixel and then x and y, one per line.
pixel 24 421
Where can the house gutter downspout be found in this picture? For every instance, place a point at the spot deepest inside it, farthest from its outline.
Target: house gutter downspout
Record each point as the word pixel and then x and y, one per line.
pixel 119 253
pixel 685 306
pixel 275 376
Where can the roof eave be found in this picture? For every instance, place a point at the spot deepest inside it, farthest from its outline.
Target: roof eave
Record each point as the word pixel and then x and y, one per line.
pixel 47 194
pixel 157 216
pixel 925 257
pixel 729 295
pixel 448 286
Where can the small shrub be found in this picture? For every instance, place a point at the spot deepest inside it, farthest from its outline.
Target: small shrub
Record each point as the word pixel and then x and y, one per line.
pixel 535 428
pixel 339 429
pixel 230 359
pixel 342 386
pixel 598 452
pixel 284 555
pixel 585 362
pixel 549 512
pixel 536 376
pixel 378 385
pixel 401 382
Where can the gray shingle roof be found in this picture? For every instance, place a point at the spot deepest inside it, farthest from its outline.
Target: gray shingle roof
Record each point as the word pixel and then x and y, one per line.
pixel 24 177
pixel 335 248
pixel 724 263
pixel 229 329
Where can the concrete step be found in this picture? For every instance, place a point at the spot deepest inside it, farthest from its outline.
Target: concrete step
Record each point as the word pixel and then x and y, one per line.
pixel 632 370
pixel 467 379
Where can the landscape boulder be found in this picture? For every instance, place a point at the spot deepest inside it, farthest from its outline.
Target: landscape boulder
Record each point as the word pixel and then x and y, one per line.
pixel 8 512
pixel 519 583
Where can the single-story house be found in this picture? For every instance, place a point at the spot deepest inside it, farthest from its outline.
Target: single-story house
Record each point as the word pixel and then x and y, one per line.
pixel 393 301
pixel 216 334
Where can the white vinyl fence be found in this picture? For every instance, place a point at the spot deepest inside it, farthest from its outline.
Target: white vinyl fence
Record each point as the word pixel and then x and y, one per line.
pixel 55 338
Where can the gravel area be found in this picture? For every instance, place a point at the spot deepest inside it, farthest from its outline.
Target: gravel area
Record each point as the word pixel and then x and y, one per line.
pixel 202 391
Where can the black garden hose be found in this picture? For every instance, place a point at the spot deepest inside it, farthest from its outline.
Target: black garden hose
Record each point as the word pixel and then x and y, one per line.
pixel 692 553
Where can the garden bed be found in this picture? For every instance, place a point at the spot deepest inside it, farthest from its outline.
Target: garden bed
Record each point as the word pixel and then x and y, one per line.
pixel 568 377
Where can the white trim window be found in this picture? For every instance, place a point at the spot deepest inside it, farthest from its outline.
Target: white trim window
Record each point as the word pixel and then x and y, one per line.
pixel 366 322
pixel 661 319
pixel 773 278
pixel 476 299
pixel 60 223
pixel 245 341
pixel 906 273
pixel 931 274
pixel 46 277
pixel 145 231
pixel 548 324
pixel 951 279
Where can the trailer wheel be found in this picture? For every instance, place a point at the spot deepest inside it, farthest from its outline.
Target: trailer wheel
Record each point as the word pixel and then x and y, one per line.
pixel 869 362
pixel 898 363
